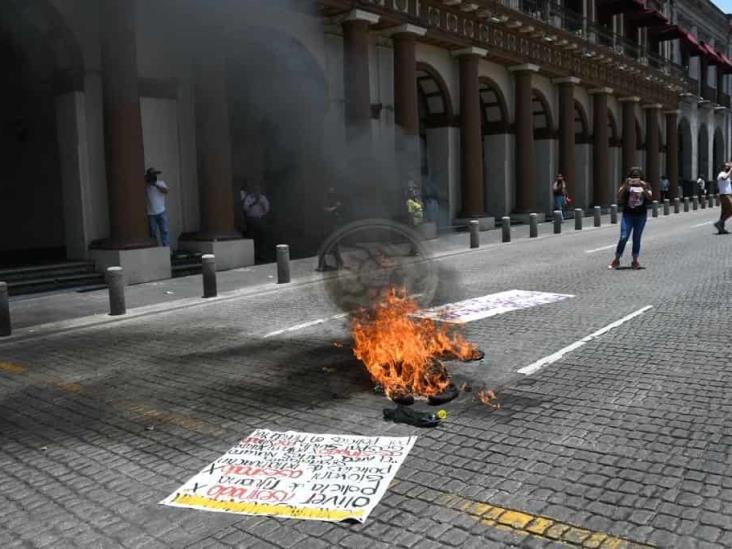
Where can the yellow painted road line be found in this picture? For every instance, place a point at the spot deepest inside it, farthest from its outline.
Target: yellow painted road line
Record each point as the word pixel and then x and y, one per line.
pixel 536 526
pixel 10 368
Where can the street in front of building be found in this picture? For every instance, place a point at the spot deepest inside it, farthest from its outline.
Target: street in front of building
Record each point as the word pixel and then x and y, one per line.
pixel 620 439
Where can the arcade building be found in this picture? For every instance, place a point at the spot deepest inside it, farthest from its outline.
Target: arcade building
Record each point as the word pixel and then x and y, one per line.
pixel 479 103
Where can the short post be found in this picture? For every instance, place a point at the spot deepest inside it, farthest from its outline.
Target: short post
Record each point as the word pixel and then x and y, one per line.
pixel 578 214
pixel 557 221
pixel 598 216
pixel 666 206
pixel 686 203
pixel 208 261
pixel 614 214
pixel 506 228
pixel 533 225
pixel 695 202
pixel 5 328
pixel 677 205
pixel 710 201
pixel 654 208
pixel 116 283
pixel 283 263
pixel 474 226
pixel 703 202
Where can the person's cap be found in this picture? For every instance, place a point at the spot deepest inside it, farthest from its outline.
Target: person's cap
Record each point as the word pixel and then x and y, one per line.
pixel 152 171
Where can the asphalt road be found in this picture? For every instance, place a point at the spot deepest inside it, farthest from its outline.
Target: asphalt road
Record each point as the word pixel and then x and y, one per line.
pixel 622 441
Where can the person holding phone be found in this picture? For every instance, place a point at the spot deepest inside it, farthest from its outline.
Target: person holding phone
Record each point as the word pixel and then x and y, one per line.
pixel 634 195
pixel 725 197
pixel 559 191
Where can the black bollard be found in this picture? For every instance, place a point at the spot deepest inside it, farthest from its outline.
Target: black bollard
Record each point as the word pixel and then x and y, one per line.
pixel 474 226
pixel 533 225
pixel 208 262
pixel 5 328
pixel 506 229
pixel 283 264
pixel 116 283
pixel 557 221
pixel 614 214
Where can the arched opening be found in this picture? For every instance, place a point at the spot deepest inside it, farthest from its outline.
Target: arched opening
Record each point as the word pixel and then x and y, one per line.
pixel 543 124
pixel 544 139
pixel 703 153
pixel 277 129
pixel 435 119
pixel 583 158
pixel 496 148
pixel 39 60
pixel 718 150
pixel 685 158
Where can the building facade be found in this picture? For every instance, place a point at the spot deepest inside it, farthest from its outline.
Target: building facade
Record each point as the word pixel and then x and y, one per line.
pixel 478 103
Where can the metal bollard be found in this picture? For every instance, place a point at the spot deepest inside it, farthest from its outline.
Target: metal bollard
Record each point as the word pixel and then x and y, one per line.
pixel 506 229
pixel 614 214
pixel 208 261
pixel 578 214
pixel 703 202
pixel 677 204
pixel 666 206
pixel 557 221
pixel 695 202
pixel 598 216
pixel 710 201
pixel 474 226
pixel 283 263
pixel 116 283
pixel 654 208
pixel 5 328
pixel 686 203
pixel 533 225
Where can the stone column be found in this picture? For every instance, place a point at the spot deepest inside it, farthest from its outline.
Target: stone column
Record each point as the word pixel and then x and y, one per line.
pixel 672 151
pixel 357 87
pixel 629 136
pixel 653 156
pixel 601 147
pixel 125 159
pixel 471 136
pixel 567 145
pixel 406 108
pixel 525 151
pixel 213 146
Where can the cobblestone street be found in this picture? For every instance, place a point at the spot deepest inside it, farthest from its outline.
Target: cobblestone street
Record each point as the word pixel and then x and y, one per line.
pixel 622 442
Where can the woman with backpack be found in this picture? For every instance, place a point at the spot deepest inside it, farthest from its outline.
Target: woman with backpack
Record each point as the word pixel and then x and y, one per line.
pixel 634 196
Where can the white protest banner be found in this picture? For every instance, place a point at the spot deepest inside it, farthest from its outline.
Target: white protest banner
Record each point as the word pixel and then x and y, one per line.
pixel 297 475
pixel 489 305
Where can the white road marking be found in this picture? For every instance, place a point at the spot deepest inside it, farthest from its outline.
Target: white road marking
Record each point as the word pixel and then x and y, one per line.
pixel 705 224
pixel 610 247
pixel 305 325
pixel 547 360
pixel 489 305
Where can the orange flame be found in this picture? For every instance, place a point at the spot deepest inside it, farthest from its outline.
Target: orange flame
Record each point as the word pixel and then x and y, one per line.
pixel 401 351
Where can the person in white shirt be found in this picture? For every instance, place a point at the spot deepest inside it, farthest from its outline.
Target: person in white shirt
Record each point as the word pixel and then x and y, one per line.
pixel 255 208
pixel 725 197
pixel 701 186
pixel 157 216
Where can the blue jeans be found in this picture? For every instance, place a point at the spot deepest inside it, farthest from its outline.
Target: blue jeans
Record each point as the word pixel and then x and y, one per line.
pixel 159 222
pixel 636 224
pixel 560 203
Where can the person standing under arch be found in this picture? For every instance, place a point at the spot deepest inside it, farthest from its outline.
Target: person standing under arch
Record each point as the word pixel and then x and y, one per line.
pixel 559 190
pixel 634 195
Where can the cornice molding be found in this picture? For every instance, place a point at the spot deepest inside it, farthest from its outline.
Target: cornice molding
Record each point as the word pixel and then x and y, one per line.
pixel 362 15
pixel 480 52
pixel 526 67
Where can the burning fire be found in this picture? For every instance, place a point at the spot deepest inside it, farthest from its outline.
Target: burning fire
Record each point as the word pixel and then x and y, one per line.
pixel 402 352
pixel 489 399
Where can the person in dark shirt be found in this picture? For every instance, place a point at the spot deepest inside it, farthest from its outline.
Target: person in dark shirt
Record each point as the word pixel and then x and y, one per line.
pixel 634 195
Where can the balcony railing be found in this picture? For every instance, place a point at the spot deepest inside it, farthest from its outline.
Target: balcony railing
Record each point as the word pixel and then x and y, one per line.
pixel 549 12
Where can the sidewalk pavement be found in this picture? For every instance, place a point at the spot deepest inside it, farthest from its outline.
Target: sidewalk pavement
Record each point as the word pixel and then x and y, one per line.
pixel 53 310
